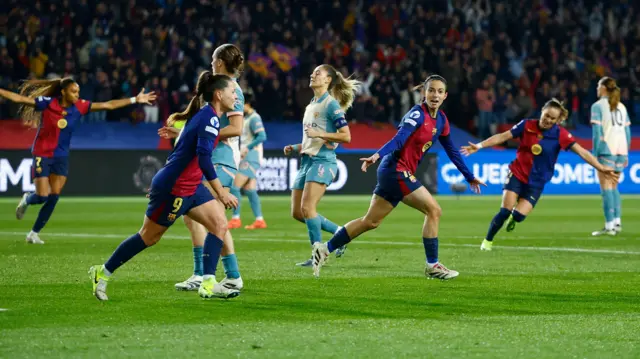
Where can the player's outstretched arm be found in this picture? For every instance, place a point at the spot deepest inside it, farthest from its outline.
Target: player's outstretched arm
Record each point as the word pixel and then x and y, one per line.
pixel 17 98
pixel 590 159
pixel 494 140
pixel 145 98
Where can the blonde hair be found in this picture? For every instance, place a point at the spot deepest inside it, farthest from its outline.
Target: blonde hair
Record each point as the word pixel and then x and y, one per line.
pixel 559 105
pixel 36 88
pixel 613 91
pixel 342 89
pixel 207 84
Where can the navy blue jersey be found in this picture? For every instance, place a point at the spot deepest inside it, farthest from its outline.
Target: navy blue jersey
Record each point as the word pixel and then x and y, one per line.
pixel 182 174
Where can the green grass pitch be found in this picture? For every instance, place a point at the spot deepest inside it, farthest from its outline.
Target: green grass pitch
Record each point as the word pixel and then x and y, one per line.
pixel 547 290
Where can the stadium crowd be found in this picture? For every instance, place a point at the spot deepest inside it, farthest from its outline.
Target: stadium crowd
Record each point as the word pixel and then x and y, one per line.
pixel 502 59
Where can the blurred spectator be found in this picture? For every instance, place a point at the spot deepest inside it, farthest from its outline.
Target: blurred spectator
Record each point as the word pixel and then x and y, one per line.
pixel 502 59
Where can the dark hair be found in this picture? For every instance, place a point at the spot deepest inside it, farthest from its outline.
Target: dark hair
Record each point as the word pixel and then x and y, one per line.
pixel 249 97
pixel 559 105
pixel 36 88
pixel 207 85
pixel 430 78
pixel 613 91
pixel 231 57
pixel 341 88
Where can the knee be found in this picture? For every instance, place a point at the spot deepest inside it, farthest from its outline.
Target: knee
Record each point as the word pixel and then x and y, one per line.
pixel 308 211
pixel 296 213
pixel 434 212
pixel 218 226
pixel 370 223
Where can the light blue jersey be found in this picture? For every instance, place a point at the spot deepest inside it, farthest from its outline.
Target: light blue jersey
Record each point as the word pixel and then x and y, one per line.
pixel 611 132
pixel 253 135
pixel 227 153
pixel 323 114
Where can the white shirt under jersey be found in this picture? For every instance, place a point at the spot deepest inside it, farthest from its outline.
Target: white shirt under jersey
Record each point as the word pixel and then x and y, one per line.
pixel 614 128
pixel 326 115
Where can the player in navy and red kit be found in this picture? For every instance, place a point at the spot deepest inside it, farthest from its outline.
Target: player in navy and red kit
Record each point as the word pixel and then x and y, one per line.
pixel 178 188
pixel 54 107
pixel 540 143
pixel 419 128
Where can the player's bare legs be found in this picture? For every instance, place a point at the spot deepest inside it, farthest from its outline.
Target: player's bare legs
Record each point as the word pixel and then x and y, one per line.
pixel 509 200
pixel 296 205
pixel 424 202
pixel 379 209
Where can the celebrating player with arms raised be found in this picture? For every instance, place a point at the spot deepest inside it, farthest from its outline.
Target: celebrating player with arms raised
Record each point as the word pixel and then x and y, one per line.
pixel 540 143
pixel 420 127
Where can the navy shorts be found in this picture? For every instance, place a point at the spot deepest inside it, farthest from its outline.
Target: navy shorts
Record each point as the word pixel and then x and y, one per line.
pixel 531 194
pixel 393 186
pixel 164 208
pixel 44 166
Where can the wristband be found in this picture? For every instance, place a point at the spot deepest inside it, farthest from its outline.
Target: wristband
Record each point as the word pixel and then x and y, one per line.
pixel 133 100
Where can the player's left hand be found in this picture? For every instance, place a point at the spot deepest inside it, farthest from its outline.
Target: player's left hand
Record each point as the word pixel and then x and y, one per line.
pixel 168 132
pixel 146 98
pixel 475 185
pixel 312 133
pixel 228 200
pixel 471 149
pixel 243 152
pixel 368 161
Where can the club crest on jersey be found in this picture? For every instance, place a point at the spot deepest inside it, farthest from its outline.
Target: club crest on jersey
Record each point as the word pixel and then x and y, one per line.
pixel 427 145
pixel 536 149
pixel 316 114
pixel 64 113
pixel 540 136
pixel 171 217
pixel 62 123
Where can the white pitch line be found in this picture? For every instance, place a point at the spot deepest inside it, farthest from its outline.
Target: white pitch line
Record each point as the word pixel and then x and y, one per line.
pixel 4 310
pixel 279 240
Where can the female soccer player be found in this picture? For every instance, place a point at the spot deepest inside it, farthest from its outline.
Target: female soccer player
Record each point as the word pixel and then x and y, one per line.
pixel 253 135
pixel 177 189
pixel 54 107
pixel 400 157
pixel 611 144
pixel 540 142
pixel 324 128
pixel 226 60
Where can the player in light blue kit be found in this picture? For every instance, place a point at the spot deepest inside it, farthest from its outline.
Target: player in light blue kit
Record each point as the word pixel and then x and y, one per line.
pixel 324 128
pixel 226 60
pixel 253 135
pixel 611 143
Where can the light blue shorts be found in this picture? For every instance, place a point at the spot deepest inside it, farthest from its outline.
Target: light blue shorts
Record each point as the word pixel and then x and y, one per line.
pixel 318 170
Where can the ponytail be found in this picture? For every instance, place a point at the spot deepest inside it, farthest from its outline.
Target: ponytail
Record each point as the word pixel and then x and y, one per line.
pixel 36 88
pixel 207 84
pixel 613 91
pixel 342 89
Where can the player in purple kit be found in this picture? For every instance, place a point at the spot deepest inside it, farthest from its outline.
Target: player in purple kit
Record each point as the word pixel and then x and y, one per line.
pixel 178 189
pixel 54 107
pixel 419 128
pixel 540 143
